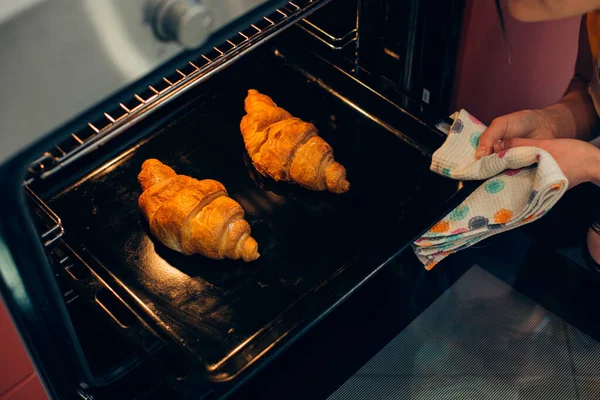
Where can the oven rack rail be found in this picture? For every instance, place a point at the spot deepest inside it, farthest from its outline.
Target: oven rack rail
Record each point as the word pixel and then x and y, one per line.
pixel 333 42
pixel 53 225
pixel 124 115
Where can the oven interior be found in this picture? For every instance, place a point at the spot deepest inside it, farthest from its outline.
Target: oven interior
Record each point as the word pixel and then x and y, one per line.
pixel 186 324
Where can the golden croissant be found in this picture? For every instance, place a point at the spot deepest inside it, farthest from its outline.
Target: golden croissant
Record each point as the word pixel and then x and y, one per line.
pixel 192 216
pixel 287 148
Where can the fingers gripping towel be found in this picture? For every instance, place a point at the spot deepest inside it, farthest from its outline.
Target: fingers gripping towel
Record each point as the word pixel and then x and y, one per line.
pixel 522 184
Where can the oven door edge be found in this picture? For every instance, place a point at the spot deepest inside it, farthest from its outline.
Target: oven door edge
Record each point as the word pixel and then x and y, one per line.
pixel 32 296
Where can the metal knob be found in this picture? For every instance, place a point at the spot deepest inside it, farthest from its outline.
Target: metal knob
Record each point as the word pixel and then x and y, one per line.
pixel 185 21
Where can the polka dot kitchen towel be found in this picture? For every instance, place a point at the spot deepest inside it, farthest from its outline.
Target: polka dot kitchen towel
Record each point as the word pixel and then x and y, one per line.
pixel 522 185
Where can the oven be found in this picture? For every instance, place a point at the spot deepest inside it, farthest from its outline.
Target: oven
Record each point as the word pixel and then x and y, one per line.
pixel 107 311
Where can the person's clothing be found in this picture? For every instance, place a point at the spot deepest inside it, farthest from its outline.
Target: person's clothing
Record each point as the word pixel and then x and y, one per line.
pixel 593 28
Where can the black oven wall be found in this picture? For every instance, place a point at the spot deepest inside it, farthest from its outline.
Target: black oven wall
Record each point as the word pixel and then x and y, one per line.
pixel 412 45
pixel 404 50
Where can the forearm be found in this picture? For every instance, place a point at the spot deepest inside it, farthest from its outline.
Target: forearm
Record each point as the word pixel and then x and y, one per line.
pixel 574 116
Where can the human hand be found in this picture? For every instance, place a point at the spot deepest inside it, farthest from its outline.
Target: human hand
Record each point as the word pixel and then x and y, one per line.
pixel 578 160
pixel 533 124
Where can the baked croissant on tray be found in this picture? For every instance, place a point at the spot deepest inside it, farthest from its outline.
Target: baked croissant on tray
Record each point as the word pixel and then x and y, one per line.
pixel 192 216
pixel 287 148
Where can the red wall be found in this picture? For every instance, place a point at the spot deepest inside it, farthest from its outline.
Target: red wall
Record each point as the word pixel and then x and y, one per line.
pixel 543 60
pixel 18 380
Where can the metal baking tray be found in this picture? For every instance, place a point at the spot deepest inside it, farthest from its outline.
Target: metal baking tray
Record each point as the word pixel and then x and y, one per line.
pixel 316 248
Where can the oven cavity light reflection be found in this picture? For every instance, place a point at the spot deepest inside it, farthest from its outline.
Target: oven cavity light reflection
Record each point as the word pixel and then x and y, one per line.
pixel 157 268
pixel 391 53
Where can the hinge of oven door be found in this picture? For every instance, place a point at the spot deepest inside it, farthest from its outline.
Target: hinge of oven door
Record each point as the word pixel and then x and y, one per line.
pixel 84 395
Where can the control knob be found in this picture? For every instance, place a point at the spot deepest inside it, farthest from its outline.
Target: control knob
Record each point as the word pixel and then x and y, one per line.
pixel 185 21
